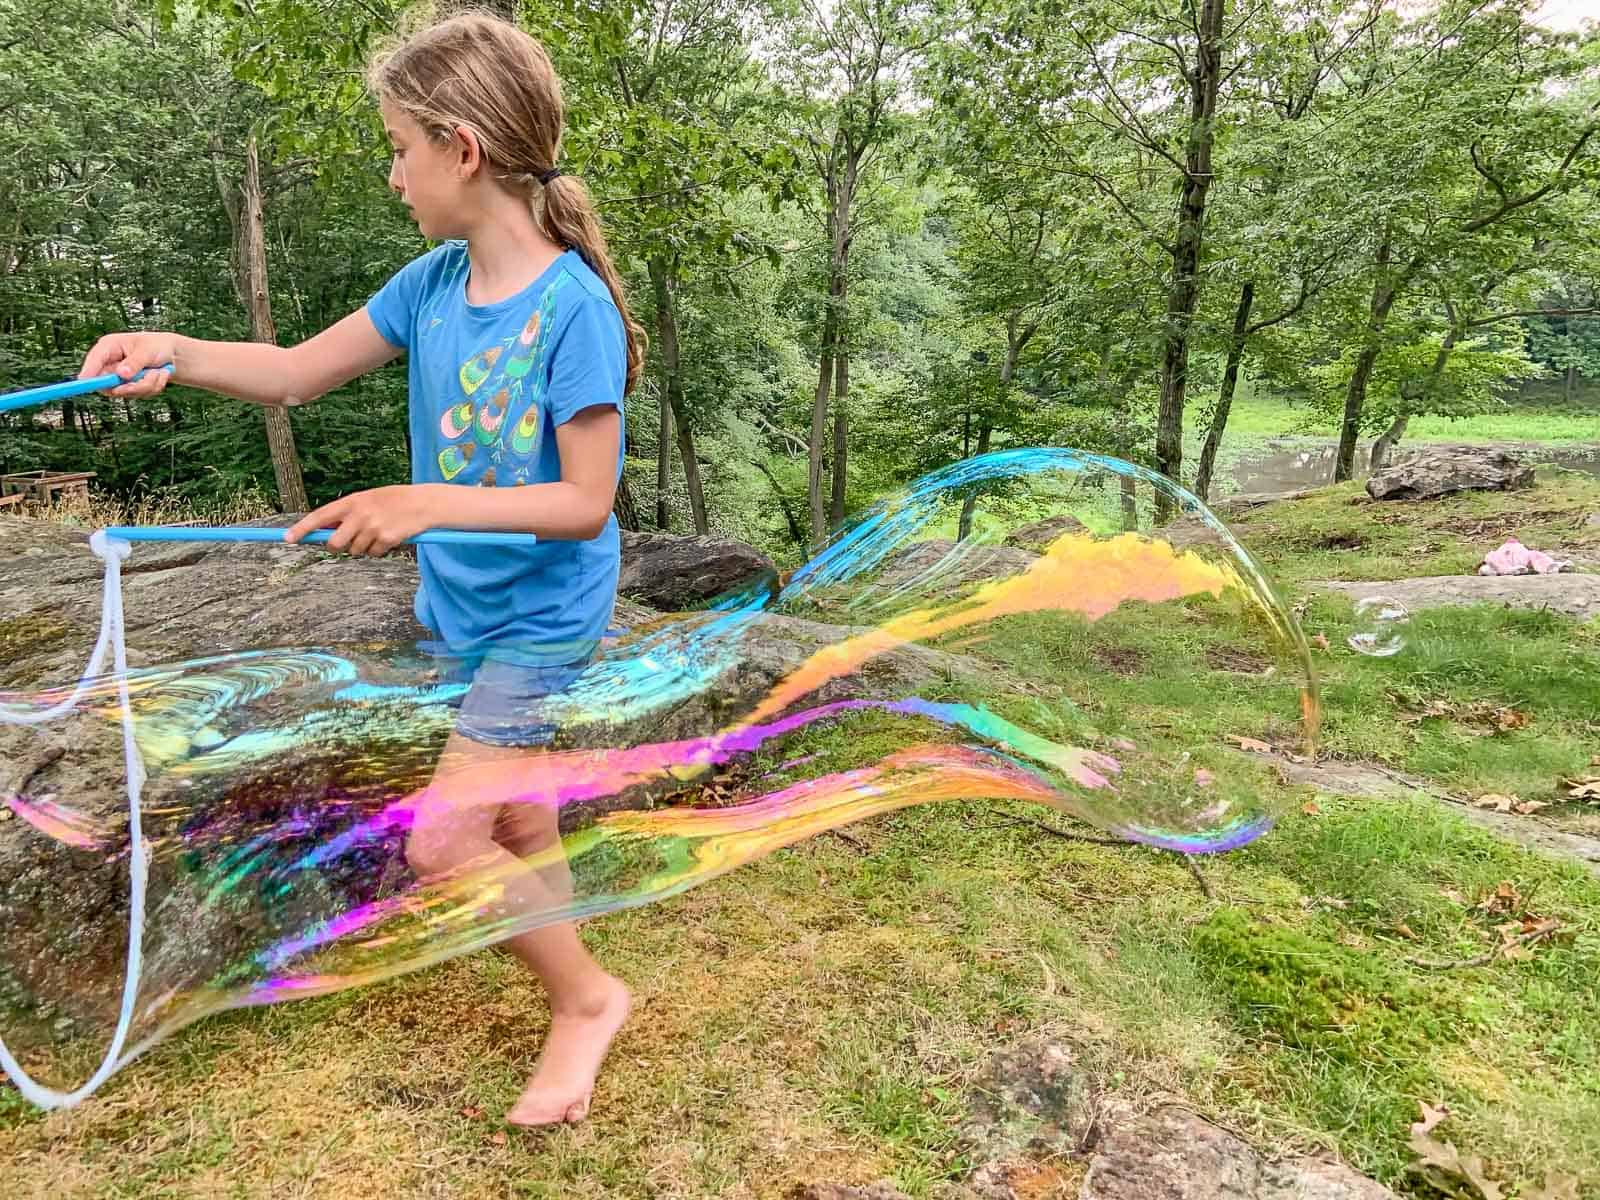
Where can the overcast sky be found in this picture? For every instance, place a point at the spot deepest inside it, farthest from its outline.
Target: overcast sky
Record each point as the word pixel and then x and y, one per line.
pixel 1569 14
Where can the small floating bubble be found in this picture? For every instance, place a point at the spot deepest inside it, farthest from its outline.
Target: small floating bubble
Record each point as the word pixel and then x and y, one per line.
pixel 1381 624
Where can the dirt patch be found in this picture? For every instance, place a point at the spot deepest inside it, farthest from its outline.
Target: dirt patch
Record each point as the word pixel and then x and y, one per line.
pixel 1235 660
pixel 1120 660
pixel 1346 539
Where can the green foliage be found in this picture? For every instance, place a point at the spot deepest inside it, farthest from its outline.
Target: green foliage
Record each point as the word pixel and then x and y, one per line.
pixel 1008 258
pixel 1311 993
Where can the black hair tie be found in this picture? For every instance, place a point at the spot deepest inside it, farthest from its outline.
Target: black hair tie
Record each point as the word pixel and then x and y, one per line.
pixel 547 176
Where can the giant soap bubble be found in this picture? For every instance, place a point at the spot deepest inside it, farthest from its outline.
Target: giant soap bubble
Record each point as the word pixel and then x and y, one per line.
pixel 1013 628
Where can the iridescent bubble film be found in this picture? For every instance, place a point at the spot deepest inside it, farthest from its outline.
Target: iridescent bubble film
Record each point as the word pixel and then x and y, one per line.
pixel 1015 629
pixel 1379 627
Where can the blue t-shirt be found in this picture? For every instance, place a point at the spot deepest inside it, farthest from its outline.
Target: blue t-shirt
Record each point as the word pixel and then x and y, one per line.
pixel 489 385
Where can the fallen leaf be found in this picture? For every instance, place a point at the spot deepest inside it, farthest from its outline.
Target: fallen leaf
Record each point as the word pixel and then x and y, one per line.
pixel 1529 806
pixel 1503 899
pixel 1405 931
pixel 1430 1116
pixel 1310 808
pixel 1251 744
pixel 472 1112
pixel 1556 1187
pixel 1308 903
pixel 1495 801
pixel 498 1139
pixel 1446 1168
pixel 1320 641
pixel 1586 788
pixel 1510 718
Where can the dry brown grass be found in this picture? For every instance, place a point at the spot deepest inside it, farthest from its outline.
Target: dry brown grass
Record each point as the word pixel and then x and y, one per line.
pixel 97 509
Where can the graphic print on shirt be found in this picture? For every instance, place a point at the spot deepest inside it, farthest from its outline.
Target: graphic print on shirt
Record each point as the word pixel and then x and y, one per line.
pixel 510 375
pixel 455 421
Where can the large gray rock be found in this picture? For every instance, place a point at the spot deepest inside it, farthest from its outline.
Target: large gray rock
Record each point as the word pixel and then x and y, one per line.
pixel 1038 536
pixel 182 600
pixel 1172 1154
pixel 1572 594
pixel 676 573
pixel 1036 1103
pixel 941 566
pixel 1440 470
pixel 64 909
pixel 882 1190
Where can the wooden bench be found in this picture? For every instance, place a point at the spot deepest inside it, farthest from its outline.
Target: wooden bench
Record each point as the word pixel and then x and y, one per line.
pixel 43 486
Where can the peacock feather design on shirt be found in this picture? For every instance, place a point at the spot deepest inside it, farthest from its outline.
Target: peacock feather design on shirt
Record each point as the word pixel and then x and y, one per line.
pixel 491 417
pixel 478 368
pixel 456 421
pixel 454 459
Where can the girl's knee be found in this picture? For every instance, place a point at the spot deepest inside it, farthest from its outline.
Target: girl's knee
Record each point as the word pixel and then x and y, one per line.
pixel 434 852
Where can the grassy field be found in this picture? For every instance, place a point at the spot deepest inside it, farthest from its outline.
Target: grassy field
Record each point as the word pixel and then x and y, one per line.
pixel 1255 417
pixel 822 1014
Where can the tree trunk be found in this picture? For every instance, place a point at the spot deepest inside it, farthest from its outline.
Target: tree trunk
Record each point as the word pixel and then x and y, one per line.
pixel 672 388
pixel 797 533
pixel 1230 381
pixel 1387 441
pixel 664 464
pixel 1355 397
pixel 1409 401
pixel 1184 294
pixel 970 504
pixel 819 425
pixel 1130 502
pixel 625 508
pixel 1015 341
pixel 1571 383
pixel 841 193
pixel 841 431
pixel 251 241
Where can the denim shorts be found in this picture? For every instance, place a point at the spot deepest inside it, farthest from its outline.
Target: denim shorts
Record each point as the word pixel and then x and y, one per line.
pixel 504 704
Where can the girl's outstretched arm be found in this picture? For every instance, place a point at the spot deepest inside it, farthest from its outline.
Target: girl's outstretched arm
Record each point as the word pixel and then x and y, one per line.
pixel 253 371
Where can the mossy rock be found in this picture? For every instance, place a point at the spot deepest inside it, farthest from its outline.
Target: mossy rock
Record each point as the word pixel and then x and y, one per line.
pixel 21 638
pixel 1315 994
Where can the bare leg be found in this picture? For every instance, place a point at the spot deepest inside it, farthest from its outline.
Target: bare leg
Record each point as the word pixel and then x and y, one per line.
pixel 587 1005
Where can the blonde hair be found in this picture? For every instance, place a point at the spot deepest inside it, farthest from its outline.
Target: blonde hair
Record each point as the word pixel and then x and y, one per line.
pixel 478 71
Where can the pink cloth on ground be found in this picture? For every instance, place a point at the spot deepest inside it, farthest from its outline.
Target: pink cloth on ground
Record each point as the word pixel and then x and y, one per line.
pixel 1513 558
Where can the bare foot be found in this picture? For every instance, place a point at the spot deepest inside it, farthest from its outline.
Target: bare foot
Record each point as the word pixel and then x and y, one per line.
pixel 576 1046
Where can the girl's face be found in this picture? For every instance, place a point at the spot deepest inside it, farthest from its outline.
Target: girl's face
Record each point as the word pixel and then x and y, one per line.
pixel 427 177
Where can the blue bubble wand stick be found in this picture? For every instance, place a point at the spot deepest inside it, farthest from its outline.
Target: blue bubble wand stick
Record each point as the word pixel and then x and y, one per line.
pixel 28 397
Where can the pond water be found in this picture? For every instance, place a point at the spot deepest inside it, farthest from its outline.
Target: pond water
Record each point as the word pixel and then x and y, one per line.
pixel 1285 464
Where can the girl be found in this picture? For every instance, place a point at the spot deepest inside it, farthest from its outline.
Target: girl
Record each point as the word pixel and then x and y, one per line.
pixel 521 349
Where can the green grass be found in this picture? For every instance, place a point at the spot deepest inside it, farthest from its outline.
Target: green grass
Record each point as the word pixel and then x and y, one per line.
pixel 824 1013
pixel 1254 417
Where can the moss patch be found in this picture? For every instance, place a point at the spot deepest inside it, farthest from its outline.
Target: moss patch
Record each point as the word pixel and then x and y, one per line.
pixel 23 637
pixel 1314 994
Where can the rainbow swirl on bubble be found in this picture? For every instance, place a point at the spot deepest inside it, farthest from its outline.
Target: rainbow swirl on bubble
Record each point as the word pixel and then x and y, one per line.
pixel 289 789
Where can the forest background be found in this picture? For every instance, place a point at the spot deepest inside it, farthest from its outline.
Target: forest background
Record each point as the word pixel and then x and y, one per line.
pixel 867 237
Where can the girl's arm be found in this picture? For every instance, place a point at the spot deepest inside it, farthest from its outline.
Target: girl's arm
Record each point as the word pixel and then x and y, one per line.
pixel 575 509
pixel 253 371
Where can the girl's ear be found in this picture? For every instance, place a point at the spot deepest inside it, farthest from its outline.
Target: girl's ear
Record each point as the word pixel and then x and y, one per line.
pixel 469 154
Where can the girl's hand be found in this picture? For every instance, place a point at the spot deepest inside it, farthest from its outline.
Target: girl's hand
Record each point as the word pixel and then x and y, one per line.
pixel 129 353
pixel 373 522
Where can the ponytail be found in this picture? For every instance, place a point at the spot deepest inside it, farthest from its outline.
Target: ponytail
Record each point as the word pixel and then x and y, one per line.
pixel 567 215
